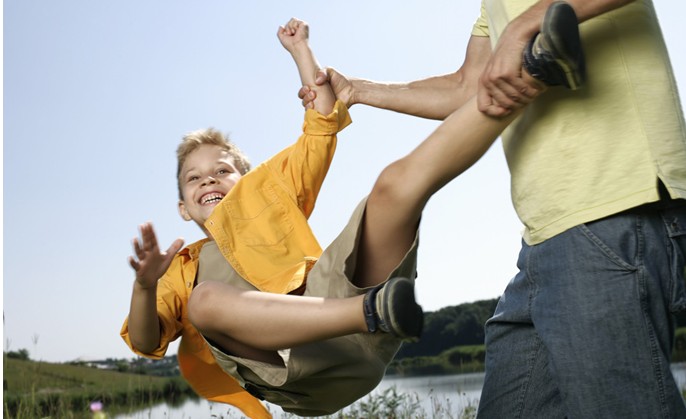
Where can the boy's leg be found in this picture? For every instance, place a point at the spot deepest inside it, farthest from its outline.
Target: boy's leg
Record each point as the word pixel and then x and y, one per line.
pixel 395 204
pixel 255 324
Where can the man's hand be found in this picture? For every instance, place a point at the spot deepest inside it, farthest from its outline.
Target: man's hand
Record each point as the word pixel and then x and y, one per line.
pixel 504 86
pixel 293 33
pixel 340 84
pixel 150 263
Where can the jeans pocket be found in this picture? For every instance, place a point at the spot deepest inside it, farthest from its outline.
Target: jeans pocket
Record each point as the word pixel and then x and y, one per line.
pixel 616 239
pixel 675 223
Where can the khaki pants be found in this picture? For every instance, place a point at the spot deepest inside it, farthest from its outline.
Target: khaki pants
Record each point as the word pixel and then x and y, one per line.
pixel 323 377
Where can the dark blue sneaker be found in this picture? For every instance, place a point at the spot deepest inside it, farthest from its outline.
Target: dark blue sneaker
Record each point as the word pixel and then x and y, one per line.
pixel 391 308
pixel 555 55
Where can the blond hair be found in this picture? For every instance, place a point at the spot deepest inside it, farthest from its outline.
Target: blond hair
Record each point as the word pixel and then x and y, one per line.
pixel 195 139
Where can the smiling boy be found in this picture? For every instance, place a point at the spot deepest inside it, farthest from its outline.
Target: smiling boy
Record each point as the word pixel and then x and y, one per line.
pixel 243 337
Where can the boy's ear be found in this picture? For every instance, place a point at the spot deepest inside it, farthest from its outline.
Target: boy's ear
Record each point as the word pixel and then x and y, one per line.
pixel 183 212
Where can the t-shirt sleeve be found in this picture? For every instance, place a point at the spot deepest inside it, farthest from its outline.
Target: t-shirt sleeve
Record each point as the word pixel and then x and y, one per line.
pixel 480 27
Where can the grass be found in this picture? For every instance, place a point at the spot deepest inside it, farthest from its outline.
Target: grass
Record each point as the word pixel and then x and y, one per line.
pixel 41 389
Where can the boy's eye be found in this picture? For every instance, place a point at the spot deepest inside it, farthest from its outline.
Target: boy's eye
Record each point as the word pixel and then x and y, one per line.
pixel 192 178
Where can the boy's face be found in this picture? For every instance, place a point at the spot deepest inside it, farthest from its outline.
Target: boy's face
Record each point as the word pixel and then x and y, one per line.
pixel 207 175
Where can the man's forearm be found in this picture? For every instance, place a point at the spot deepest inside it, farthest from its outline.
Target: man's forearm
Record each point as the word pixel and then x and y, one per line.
pixel 433 97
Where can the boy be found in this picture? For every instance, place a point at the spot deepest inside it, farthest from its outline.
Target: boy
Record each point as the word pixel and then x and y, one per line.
pixel 314 353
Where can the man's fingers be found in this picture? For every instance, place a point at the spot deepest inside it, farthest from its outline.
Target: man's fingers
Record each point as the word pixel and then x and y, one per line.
pixel 486 105
pixel 323 76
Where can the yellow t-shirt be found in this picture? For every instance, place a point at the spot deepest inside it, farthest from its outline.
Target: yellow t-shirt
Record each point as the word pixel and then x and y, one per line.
pixel 261 227
pixel 578 156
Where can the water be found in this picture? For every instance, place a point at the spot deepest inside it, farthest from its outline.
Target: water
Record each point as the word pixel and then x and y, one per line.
pixel 449 391
pixel 454 391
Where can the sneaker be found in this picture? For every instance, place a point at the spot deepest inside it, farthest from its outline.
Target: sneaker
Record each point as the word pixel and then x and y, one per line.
pixel 555 55
pixel 391 308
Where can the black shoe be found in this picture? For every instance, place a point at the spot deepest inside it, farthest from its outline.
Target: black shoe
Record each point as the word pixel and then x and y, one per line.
pixel 391 308
pixel 555 55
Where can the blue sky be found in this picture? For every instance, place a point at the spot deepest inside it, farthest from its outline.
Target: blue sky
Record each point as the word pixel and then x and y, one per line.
pixel 98 94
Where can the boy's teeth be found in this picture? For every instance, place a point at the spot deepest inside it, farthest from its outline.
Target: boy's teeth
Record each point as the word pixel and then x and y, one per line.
pixel 212 198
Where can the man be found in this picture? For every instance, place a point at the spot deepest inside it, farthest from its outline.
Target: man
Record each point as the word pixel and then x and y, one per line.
pixel 599 182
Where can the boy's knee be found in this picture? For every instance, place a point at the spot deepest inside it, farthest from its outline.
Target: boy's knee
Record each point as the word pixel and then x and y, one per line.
pixel 393 184
pixel 199 304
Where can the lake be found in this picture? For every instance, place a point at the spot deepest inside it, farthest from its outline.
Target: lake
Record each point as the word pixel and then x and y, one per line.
pixel 452 392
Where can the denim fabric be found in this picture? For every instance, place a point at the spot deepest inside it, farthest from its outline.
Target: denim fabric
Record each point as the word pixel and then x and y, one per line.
pixel 585 330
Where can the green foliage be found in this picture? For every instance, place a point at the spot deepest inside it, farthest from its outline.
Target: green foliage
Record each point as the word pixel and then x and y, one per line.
pixel 450 327
pixel 453 338
pixel 458 360
pixel 22 354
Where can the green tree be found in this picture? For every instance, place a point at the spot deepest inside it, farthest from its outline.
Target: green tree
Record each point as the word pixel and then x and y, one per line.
pixel 22 354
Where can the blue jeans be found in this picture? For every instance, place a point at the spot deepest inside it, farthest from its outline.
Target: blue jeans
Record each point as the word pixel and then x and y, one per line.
pixel 585 329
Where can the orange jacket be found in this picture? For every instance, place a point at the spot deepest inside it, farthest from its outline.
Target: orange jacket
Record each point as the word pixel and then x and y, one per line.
pixel 261 229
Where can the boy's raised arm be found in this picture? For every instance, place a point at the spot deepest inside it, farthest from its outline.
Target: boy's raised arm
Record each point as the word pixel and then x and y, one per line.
pixel 294 36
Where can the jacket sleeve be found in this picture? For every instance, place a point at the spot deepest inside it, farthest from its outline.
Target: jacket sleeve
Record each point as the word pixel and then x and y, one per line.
pixel 302 167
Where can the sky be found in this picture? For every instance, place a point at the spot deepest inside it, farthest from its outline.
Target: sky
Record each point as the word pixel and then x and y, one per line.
pixel 98 94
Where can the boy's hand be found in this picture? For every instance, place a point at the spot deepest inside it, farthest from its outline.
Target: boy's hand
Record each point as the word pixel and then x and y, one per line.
pixel 341 85
pixel 150 263
pixel 294 33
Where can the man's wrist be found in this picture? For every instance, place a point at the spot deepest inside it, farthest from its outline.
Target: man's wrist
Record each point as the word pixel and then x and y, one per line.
pixel 359 91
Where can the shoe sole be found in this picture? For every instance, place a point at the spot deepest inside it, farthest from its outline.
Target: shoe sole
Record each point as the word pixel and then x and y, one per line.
pixel 401 310
pixel 560 35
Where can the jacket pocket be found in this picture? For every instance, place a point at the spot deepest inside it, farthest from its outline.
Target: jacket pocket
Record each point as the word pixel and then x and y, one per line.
pixel 262 219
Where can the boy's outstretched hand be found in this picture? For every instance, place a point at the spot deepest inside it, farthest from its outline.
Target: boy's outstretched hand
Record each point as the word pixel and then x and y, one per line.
pixel 149 262
pixel 293 33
